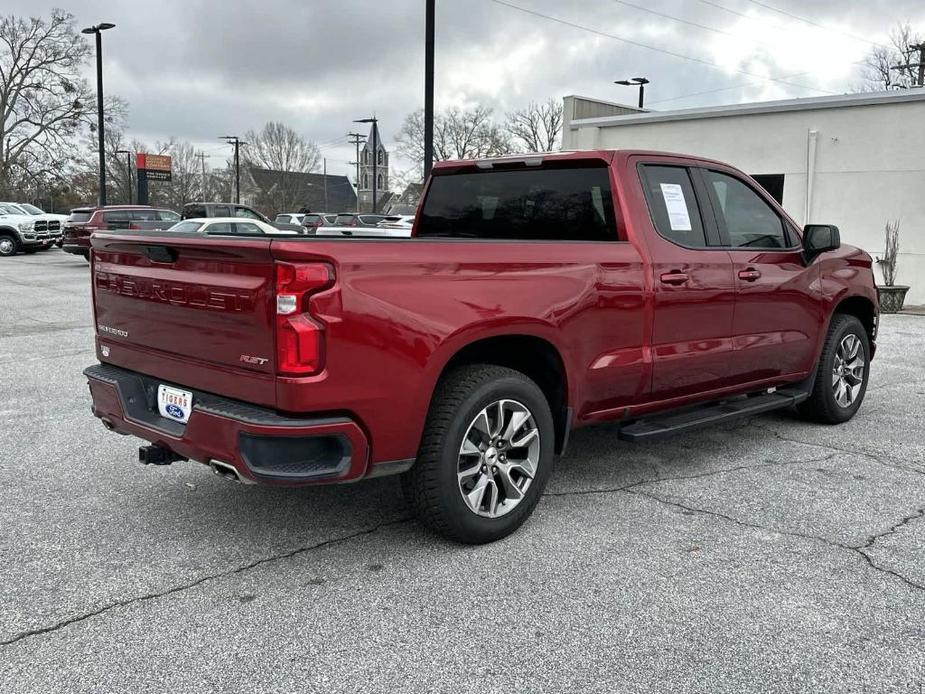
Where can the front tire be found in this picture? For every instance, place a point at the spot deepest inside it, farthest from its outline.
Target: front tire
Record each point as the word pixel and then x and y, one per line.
pixel 842 373
pixel 8 246
pixel 485 456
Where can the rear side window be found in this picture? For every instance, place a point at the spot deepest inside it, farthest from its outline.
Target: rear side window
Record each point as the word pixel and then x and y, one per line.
pixel 244 212
pixel 78 217
pixel 117 217
pixel 342 219
pixel 749 221
pixel 186 227
pixel 573 204
pixel 220 211
pixel 144 215
pixel 168 216
pixel 219 228
pixel 673 205
pixel 282 219
pixel 247 228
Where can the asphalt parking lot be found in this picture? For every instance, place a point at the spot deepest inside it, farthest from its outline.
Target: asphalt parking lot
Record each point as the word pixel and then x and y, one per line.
pixel 769 555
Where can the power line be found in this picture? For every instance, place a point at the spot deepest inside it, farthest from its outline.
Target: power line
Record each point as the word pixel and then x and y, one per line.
pixel 813 23
pixel 622 39
pixel 738 13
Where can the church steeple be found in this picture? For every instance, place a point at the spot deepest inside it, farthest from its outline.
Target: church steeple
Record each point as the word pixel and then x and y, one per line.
pixel 365 184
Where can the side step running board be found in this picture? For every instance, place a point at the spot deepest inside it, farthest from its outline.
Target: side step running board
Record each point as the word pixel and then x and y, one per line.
pixel 658 426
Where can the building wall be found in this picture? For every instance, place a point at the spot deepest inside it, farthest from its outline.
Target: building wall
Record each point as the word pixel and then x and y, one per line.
pixel 869 165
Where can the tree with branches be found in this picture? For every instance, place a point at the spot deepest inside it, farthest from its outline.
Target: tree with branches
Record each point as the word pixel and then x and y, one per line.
pixel 458 134
pixel 43 99
pixel 891 66
pixel 281 151
pixel 537 127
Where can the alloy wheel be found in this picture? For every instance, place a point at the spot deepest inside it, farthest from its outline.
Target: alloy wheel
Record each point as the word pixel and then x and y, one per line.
pixel 498 458
pixel 848 370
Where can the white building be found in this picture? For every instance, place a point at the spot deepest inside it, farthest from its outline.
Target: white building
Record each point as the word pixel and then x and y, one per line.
pixel 855 161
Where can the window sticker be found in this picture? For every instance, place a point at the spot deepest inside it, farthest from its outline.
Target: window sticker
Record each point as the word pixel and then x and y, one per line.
pixel 676 206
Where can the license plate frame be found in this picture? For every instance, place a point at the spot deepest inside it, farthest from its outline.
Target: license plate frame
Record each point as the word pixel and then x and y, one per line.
pixel 174 404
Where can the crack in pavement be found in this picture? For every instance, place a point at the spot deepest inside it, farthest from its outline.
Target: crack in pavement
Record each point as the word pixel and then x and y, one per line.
pixel 199 581
pixel 856 549
pixel 863 454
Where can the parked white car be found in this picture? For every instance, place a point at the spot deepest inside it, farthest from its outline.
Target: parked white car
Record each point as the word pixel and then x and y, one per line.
pixel 397 221
pixel 289 218
pixel 229 226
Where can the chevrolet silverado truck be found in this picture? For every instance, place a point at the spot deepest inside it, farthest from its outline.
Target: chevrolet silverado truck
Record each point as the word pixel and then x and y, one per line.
pixel 538 294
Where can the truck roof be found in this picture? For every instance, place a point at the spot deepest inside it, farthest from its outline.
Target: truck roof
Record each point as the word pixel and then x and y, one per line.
pixel 537 158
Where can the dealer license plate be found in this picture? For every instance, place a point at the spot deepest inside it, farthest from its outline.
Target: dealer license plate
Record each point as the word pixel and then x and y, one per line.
pixel 174 403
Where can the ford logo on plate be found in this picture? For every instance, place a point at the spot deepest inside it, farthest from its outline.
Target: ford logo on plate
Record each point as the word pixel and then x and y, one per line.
pixel 174 411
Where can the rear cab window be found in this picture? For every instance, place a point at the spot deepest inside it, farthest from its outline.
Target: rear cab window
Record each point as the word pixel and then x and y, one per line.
pixel 551 204
pixel 80 216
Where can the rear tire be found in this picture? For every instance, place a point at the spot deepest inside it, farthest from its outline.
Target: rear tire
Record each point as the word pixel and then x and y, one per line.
pixel 485 456
pixel 841 375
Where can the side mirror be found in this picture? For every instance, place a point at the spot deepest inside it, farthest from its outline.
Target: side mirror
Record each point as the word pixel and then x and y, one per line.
pixel 819 238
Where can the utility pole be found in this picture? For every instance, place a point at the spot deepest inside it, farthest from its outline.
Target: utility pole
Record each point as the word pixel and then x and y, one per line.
pixel 238 143
pixel 920 47
pixel 202 156
pixel 428 88
pixel 357 139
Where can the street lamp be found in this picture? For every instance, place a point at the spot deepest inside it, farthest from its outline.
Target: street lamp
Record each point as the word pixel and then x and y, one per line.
pixel 128 173
pixel 641 81
pixel 98 29
pixel 375 122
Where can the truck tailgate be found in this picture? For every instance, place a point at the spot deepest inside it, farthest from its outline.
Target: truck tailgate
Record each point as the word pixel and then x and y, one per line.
pixel 189 310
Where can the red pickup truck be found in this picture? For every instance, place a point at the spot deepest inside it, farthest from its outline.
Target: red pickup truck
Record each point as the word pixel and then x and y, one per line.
pixel 539 293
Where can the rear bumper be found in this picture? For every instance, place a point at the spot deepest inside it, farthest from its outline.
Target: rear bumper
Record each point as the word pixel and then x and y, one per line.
pixel 75 248
pixel 261 445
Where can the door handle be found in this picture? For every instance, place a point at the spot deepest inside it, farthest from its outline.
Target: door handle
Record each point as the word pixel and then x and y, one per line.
pixel 674 277
pixel 749 275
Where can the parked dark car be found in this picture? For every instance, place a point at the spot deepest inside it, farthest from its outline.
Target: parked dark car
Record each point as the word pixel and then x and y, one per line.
pixel 85 220
pixel 201 210
pixel 352 219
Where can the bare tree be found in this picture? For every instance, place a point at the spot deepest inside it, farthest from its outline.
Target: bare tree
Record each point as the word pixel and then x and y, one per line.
pixel 43 99
pixel 885 66
pixel 458 134
pixel 537 127
pixel 278 147
pixel 281 152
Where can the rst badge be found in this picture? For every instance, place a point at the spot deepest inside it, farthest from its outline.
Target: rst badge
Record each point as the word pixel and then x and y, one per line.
pixel 257 361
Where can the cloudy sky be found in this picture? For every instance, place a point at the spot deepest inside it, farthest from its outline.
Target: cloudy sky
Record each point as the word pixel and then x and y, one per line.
pixel 198 69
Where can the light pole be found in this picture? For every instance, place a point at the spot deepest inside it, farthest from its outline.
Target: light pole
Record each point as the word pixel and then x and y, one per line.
pixel 98 29
pixel 237 142
pixel 375 122
pixel 428 88
pixel 641 81
pixel 128 173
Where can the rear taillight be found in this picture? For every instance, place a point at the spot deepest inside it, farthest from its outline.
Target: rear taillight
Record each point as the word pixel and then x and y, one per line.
pixel 299 338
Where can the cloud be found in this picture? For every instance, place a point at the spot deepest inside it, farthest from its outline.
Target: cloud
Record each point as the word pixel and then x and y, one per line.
pixel 198 69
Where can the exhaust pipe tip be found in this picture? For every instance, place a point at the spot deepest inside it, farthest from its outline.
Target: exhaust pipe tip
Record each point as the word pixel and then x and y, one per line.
pixel 225 470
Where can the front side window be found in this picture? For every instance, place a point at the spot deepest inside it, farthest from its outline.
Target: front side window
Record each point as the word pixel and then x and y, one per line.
pixel 569 204
pixel 673 205
pixel 749 221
